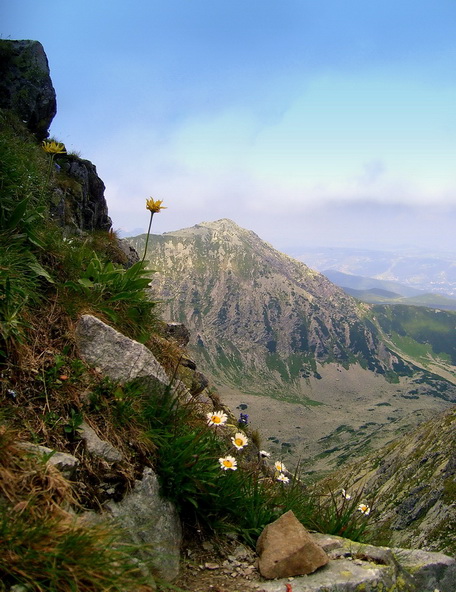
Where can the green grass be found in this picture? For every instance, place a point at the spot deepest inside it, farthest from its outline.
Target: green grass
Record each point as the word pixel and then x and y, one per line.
pixel 419 351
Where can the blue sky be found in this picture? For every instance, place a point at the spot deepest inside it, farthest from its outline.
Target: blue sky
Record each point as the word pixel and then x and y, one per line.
pixel 324 122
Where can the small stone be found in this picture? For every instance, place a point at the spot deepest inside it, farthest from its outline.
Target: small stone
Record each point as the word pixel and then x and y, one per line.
pixel 286 549
pixel 210 565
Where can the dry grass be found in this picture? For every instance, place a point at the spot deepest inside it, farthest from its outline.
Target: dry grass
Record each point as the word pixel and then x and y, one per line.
pixel 44 544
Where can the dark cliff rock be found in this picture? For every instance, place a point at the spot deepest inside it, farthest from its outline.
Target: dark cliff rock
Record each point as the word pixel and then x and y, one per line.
pixel 25 85
pixel 79 201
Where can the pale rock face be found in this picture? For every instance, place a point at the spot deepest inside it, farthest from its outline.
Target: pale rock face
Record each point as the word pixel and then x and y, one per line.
pixel 97 446
pixel 115 355
pixel 152 521
pixel 358 567
pixel 64 462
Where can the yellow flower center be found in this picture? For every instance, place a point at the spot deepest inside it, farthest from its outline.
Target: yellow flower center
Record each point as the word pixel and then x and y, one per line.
pixel 216 419
pixel 227 463
pixel 239 442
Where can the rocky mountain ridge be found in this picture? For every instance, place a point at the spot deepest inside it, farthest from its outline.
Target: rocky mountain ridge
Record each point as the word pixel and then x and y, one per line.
pixel 280 340
pixel 413 483
pixel 237 291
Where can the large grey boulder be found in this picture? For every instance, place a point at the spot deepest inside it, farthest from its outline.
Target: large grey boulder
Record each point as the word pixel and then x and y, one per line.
pixel 26 86
pixel 152 521
pixel 116 356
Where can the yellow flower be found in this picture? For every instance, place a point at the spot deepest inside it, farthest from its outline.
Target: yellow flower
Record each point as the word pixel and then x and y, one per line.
pixel 52 147
pixel 228 462
pixel 154 205
pixel 240 440
pixel 217 418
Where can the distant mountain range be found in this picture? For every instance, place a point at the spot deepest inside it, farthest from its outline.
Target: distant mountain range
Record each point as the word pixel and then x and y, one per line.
pixel 310 364
pixel 388 292
pixel 424 272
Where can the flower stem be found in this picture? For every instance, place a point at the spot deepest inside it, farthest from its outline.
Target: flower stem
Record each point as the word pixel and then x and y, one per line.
pixel 148 234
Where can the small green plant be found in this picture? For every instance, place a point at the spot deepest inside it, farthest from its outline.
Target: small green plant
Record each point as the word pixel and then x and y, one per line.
pixel 118 293
pixel 73 423
pixel 341 513
pixel 187 451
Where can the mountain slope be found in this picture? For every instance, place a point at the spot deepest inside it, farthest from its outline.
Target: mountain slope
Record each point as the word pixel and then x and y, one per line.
pixel 412 485
pixel 256 311
pixel 266 325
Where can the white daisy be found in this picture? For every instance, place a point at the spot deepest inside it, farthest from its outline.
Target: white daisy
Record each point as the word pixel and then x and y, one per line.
pixel 364 509
pixel 240 440
pixel 216 418
pixel 228 462
pixel 283 478
pixel 279 466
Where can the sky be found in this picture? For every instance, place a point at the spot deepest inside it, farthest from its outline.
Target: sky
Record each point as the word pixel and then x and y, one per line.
pixel 310 122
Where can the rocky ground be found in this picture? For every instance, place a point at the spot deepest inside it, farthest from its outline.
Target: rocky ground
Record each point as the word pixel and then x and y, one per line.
pixel 220 566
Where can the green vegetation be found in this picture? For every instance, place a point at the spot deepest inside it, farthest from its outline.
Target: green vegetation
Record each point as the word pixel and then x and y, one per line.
pixel 47 279
pixel 431 328
pixel 38 264
pixel 425 336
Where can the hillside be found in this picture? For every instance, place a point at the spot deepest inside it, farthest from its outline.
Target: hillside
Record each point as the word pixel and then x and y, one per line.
pixel 280 339
pixel 413 483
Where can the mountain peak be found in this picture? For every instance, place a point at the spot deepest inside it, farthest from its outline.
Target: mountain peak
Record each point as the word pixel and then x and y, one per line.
pixel 223 223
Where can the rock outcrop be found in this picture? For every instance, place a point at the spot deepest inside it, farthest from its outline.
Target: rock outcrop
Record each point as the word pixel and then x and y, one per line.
pixel 96 446
pixel 79 202
pixel 64 462
pixel 153 522
pixel 357 567
pixel 26 86
pixel 115 355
